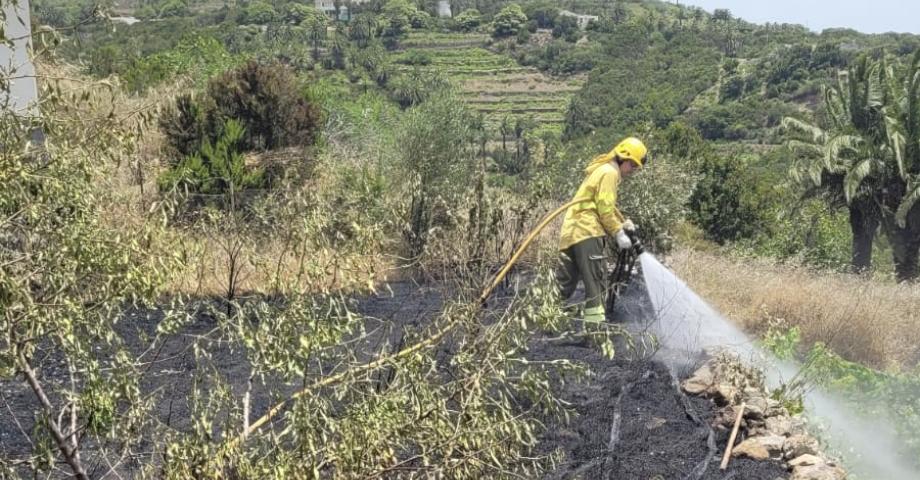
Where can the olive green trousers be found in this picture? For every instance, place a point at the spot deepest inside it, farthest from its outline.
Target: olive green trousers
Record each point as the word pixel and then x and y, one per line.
pixel 585 261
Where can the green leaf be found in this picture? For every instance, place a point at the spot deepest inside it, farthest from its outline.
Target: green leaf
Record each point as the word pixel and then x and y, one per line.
pixel 907 204
pixel 855 178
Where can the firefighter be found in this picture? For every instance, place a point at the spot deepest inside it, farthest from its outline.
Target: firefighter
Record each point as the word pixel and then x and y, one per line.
pixel 588 223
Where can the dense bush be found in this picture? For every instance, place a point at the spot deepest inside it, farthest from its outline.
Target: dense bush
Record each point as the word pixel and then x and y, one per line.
pixel 566 27
pixel 173 8
pixel 509 21
pixel 255 107
pixel 543 14
pixel 435 166
pixel 413 88
pixel 416 57
pixel 259 13
pixel 656 199
pixel 199 57
pixel 268 101
pixel 635 85
pixel 295 13
pixel 750 119
pixel 469 20
pixel 217 168
pixel 560 58
pixel 731 201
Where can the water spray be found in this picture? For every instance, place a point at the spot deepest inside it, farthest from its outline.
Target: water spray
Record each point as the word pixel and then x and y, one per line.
pixel 686 325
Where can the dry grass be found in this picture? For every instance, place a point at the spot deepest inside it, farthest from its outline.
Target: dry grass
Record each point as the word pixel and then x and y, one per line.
pixel 864 320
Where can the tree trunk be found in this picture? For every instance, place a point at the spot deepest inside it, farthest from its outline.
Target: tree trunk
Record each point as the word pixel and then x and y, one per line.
pixel 905 248
pixel 864 227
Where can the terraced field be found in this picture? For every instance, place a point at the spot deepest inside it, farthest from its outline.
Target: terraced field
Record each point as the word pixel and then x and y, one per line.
pixel 494 84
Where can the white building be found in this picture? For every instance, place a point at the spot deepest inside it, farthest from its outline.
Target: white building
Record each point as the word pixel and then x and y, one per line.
pixel 16 62
pixel 583 20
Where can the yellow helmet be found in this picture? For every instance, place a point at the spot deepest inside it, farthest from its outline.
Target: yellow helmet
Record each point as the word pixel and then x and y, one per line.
pixel 632 149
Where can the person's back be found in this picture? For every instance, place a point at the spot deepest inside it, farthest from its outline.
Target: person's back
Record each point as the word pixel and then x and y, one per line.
pixel 583 221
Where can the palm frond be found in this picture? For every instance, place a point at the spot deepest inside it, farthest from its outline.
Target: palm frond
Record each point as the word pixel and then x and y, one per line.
pixel 907 204
pixel 833 158
pixel 815 172
pixel 896 143
pixel 855 177
pixel 874 90
pixel 818 135
pixel 836 106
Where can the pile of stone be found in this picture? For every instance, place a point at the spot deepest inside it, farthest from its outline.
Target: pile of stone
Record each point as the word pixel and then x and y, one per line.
pixel 768 430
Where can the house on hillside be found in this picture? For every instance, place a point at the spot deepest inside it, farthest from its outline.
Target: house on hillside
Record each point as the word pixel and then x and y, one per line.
pixel 583 20
pixel 444 9
pixel 329 7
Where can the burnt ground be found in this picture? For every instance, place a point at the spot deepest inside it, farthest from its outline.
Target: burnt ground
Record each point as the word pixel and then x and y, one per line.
pixel 631 421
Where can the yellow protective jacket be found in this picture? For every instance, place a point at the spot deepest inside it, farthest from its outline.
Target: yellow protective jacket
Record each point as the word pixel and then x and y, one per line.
pixel 597 214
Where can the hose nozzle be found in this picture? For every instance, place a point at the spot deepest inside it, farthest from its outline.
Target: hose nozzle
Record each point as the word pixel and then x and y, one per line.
pixel 637 248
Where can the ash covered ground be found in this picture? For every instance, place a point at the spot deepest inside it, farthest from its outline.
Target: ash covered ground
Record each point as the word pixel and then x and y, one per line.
pixel 631 420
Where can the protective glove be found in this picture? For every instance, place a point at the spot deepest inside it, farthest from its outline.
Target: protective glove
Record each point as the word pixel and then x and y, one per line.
pixel 629 226
pixel 623 241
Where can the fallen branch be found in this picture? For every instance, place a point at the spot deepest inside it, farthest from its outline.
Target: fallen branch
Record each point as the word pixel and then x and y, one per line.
pixel 406 352
pixel 70 452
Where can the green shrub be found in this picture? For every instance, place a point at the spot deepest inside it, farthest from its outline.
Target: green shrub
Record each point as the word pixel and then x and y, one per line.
pixel 731 201
pixel 255 107
pixel 509 21
pixel 434 162
pixel 543 14
pixel 567 28
pixel 295 13
pixel 414 88
pixel 217 168
pixel 199 57
pixel 267 99
pixel 469 20
pixel 174 8
pixel 656 199
pixel 416 57
pixel 259 13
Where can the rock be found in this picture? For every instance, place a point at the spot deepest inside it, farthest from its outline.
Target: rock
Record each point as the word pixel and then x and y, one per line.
pixel 773 443
pixel 775 408
pixel 700 382
pixel 751 449
pixel 724 418
pixel 655 423
pixel 806 460
pixel 799 445
pixel 818 472
pixel 756 403
pixel 725 394
pixel 780 426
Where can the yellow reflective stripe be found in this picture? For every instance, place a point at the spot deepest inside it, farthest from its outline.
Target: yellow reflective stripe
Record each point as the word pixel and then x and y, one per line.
pixel 594 315
pixel 605 210
pixel 587 206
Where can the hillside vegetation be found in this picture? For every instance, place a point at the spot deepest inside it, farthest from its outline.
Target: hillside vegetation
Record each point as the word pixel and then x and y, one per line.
pixel 221 186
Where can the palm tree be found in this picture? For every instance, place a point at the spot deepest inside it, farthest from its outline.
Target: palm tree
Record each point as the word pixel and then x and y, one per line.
pixel 845 162
pixel 901 195
pixel 363 29
pixel 869 157
pixel 316 27
pixel 338 46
